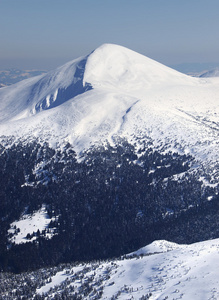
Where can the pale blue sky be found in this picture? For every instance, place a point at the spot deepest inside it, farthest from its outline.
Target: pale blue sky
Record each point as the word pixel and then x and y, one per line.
pixel 47 33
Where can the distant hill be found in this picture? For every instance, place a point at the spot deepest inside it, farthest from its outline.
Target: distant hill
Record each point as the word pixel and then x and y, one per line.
pixel 211 73
pixel 11 76
pixel 195 69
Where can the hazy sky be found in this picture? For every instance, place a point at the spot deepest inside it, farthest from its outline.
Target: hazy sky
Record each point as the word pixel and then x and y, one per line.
pixel 47 33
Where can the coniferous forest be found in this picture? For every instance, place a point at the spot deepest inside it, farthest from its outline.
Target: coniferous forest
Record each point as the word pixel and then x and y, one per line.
pixel 110 201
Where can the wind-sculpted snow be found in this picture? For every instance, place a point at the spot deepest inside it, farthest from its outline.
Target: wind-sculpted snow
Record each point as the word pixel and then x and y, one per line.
pixel 67 82
pixel 43 92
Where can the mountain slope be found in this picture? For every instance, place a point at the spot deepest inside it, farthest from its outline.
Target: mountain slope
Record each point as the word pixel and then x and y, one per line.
pixel 112 146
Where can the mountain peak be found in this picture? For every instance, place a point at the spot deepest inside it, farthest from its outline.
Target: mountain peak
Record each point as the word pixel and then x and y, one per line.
pixel 116 66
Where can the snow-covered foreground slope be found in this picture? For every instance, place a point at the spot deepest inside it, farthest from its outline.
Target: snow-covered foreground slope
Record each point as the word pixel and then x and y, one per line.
pixel 165 271
pixel 115 92
pixel 161 270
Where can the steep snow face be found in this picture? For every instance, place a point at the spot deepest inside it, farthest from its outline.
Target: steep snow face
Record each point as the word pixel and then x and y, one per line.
pixel 43 92
pixel 115 92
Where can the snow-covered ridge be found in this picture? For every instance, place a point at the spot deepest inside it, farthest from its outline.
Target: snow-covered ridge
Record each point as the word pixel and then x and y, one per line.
pixel 211 73
pixel 44 92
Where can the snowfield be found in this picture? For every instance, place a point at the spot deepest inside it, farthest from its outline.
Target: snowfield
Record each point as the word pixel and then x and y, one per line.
pixel 30 224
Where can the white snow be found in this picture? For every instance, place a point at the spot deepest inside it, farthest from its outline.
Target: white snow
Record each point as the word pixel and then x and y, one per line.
pixel 30 223
pixel 58 278
pixel 156 247
pixel 166 271
pixel 132 96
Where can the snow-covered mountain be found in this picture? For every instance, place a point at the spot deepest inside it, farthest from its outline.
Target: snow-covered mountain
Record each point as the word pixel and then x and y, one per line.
pixel 112 146
pixel 210 73
pixel 115 92
pixel 161 270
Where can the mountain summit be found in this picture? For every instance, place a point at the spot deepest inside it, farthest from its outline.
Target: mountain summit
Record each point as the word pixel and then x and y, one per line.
pixel 112 66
